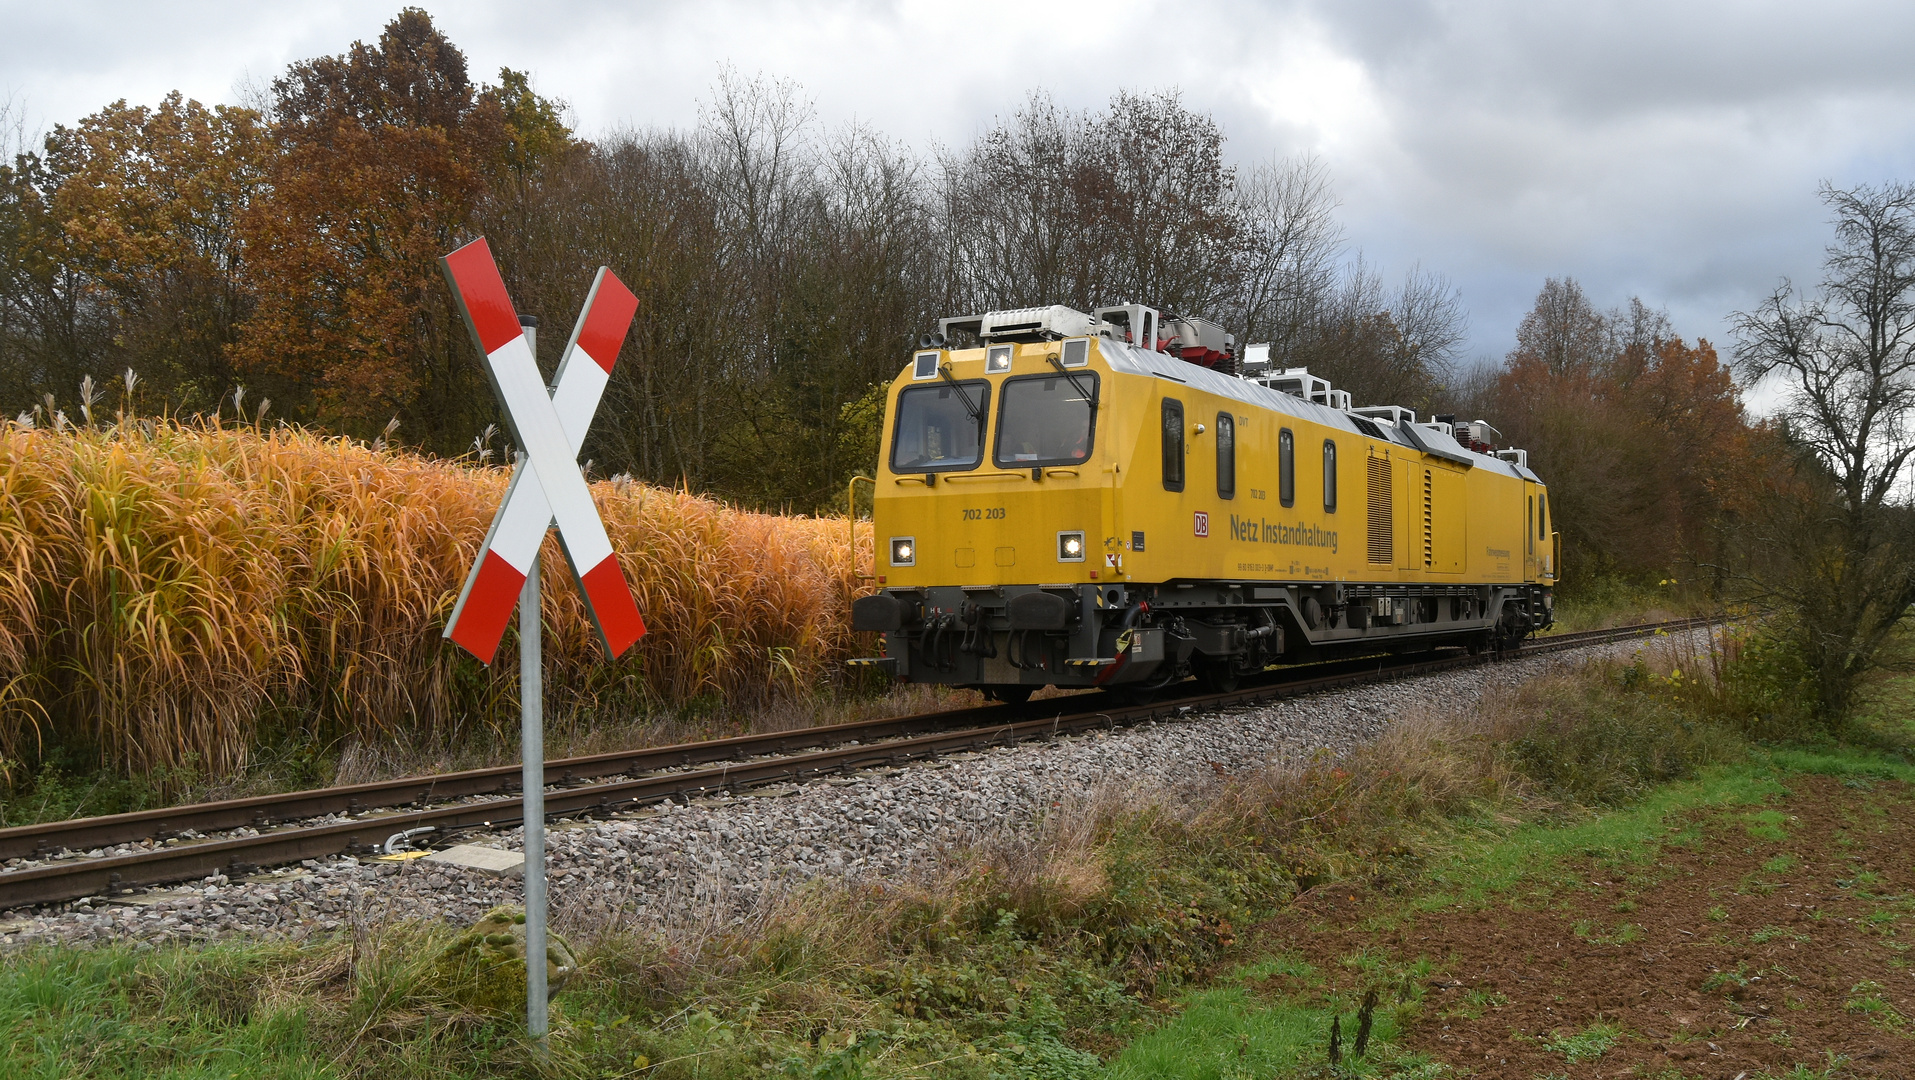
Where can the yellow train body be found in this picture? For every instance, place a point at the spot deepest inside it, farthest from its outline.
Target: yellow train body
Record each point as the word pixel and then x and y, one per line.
pixel 1220 525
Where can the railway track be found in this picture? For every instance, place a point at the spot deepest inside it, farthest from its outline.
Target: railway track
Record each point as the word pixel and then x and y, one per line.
pixel 272 830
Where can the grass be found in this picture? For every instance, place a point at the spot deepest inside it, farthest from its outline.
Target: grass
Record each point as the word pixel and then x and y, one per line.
pixel 1605 601
pixel 1586 1045
pixel 1229 1033
pixel 108 1014
pixel 179 600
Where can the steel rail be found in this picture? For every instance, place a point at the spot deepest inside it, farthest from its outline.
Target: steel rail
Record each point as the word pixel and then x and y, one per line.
pixel 68 878
pixel 266 811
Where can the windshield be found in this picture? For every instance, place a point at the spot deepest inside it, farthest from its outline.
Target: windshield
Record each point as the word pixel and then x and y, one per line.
pixel 936 429
pixel 1046 420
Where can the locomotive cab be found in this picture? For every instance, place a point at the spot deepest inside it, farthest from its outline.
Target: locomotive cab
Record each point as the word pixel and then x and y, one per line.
pixel 1102 500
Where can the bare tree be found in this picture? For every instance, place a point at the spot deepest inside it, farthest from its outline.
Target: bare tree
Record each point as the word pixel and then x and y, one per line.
pixel 1164 196
pixel 1636 328
pixel 1384 346
pixel 1838 554
pixel 1429 311
pixel 1018 215
pixel 1136 202
pixel 1563 329
pixel 755 143
pixel 14 138
pixel 1291 244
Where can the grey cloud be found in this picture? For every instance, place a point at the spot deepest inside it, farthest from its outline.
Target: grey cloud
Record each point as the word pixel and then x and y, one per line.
pixel 1664 149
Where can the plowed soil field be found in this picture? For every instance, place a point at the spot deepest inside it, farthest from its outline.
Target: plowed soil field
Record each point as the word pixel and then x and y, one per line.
pixel 1751 942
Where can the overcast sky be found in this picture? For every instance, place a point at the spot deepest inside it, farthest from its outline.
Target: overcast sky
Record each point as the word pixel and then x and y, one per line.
pixel 1669 150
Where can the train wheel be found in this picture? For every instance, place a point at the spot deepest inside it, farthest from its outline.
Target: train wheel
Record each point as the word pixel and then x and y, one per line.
pixel 1509 639
pixel 1142 693
pixel 1215 676
pixel 1010 695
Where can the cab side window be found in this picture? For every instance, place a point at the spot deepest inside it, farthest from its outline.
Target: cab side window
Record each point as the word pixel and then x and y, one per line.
pixel 1329 476
pixel 1173 437
pixel 1226 456
pixel 1286 467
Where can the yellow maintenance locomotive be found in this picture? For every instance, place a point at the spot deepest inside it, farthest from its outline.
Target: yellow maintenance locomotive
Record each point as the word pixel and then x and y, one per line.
pixel 1120 499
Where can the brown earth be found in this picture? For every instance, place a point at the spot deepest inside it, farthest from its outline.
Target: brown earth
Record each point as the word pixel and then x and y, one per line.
pixel 1753 941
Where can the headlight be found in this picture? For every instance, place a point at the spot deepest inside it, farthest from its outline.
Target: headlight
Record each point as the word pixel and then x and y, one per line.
pixel 904 551
pixel 1070 547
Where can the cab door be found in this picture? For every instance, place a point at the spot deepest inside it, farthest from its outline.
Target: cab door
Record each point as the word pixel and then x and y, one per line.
pixel 1530 493
pixel 1409 513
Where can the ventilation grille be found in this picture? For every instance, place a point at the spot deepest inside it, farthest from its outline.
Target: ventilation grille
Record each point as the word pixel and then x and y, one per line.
pixel 1382 520
pixel 1429 531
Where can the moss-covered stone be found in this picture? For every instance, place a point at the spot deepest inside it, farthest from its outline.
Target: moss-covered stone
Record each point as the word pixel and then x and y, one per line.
pixel 484 967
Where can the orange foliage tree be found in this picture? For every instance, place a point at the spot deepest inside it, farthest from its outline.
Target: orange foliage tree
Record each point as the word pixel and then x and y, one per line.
pixel 385 158
pixel 1640 435
pixel 149 201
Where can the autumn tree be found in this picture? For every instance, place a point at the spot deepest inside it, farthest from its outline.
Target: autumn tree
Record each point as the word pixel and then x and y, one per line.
pixel 49 315
pixel 384 157
pixel 149 201
pixel 1640 435
pixel 120 248
pixel 1835 549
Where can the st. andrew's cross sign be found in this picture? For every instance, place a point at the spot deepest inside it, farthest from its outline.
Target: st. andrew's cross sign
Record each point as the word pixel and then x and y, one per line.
pixel 551 429
pixel 547 488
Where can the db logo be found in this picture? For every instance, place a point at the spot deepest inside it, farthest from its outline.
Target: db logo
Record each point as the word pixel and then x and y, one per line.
pixel 1202 523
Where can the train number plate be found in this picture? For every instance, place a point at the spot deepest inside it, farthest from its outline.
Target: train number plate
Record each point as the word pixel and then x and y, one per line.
pixel 985 513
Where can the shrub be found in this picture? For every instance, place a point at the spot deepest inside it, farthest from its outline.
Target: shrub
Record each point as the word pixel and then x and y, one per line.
pixel 1591 741
pixel 1749 676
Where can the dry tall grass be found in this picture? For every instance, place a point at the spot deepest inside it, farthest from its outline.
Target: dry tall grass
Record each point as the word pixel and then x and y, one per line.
pixel 166 588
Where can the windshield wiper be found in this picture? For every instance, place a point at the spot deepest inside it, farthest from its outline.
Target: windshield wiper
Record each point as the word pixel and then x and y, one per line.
pixel 1090 400
pixel 976 413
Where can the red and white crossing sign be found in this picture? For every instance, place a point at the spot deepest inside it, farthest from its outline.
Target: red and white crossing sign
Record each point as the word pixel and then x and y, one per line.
pixel 550 427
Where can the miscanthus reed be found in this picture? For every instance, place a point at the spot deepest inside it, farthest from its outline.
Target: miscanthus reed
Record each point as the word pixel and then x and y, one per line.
pixel 167 588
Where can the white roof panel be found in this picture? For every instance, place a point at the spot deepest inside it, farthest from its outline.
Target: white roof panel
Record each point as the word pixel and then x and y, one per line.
pixel 1123 356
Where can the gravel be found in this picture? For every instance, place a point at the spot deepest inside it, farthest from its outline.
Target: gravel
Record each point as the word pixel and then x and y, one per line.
pixel 719 857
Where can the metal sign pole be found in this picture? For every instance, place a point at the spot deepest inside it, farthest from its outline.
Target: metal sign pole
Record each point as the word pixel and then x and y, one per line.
pixel 547 489
pixel 532 779
pixel 532 743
